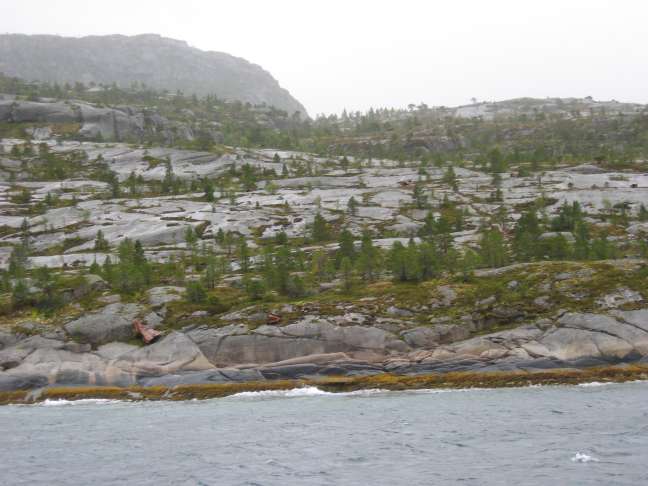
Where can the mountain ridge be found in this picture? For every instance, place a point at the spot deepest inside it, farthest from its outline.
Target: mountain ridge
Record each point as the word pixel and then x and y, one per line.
pixel 160 62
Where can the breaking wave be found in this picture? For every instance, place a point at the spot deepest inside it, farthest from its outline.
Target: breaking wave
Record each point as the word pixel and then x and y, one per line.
pixel 595 384
pixel 306 391
pixel 582 457
pixel 84 401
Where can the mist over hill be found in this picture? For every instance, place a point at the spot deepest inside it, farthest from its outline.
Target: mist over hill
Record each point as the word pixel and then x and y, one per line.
pixel 159 62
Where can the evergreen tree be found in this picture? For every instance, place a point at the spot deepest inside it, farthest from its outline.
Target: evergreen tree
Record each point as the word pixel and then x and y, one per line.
pixel 496 161
pixel 20 294
pixel 95 269
pixel 248 177
pixel 133 271
pixel 430 262
pixel 643 213
pixel 169 181
pixel 492 250
pixel 353 206
pixel 467 264
pixel 369 258
pixel 208 187
pixel 47 281
pixel 101 244
pixel 190 237
pixel 244 256
pixel 413 267
pixel 107 270
pixel 254 288
pixel 211 273
pixel 346 268
pixel 603 249
pixel 428 229
pixel 220 236
pixel 281 238
pixel 526 238
pixel 346 248
pixel 443 235
pixel 582 242
pixel 195 292
pixel 568 217
pixel 320 231
pixel 419 196
pixel 450 178
pixel 556 248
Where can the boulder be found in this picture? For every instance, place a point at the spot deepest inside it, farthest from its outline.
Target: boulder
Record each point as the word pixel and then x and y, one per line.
pixel 174 353
pixel 7 339
pixel 634 337
pixel 396 311
pixel 160 296
pixel 112 323
pixel 12 356
pixel 570 344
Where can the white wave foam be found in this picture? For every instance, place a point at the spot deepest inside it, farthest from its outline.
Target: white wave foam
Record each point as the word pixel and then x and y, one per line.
pixel 306 391
pixel 594 384
pixel 83 401
pixel 582 457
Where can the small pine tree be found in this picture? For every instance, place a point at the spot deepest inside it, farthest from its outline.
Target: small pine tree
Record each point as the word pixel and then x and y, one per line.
pixel 244 256
pixel 353 206
pixel 208 187
pixel 195 293
pixel 493 249
pixel 101 244
pixel 643 213
pixel 320 230
pixel 346 248
pixel 450 178
pixel 345 163
pixel 346 269
pixel 20 294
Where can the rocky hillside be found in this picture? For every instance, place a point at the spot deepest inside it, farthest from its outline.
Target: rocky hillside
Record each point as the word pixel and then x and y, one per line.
pixel 159 62
pixel 403 242
pixel 258 264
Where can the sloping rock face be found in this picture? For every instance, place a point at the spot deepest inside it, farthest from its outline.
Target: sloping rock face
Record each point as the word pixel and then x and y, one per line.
pixel 116 124
pixel 316 346
pixel 574 339
pixel 159 62
pixel 123 365
pixel 309 336
pixel 112 323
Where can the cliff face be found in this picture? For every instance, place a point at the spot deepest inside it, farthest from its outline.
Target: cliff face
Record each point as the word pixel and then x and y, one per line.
pixel 159 62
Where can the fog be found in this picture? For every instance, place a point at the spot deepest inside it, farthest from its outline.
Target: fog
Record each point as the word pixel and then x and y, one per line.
pixel 336 54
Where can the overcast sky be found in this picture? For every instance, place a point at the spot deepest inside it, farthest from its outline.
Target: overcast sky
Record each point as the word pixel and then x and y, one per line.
pixel 355 54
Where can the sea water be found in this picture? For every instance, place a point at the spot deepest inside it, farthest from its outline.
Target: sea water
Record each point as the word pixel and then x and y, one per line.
pixel 563 435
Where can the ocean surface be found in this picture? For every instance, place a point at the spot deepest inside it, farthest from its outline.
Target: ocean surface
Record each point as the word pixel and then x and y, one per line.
pixel 577 435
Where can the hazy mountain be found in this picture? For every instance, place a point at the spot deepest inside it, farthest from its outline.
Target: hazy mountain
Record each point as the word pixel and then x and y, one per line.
pixel 159 62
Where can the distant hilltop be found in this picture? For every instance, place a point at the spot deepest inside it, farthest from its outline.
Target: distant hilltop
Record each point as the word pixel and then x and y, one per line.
pixel 159 62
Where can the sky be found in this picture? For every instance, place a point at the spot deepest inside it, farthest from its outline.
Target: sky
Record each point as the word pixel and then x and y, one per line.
pixel 356 54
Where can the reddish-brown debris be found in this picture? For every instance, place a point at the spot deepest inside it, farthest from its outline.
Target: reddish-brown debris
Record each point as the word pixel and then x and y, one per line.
pixel 148 335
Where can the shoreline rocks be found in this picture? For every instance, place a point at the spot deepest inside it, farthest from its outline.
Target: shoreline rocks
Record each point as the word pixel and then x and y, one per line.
pixel 313 347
